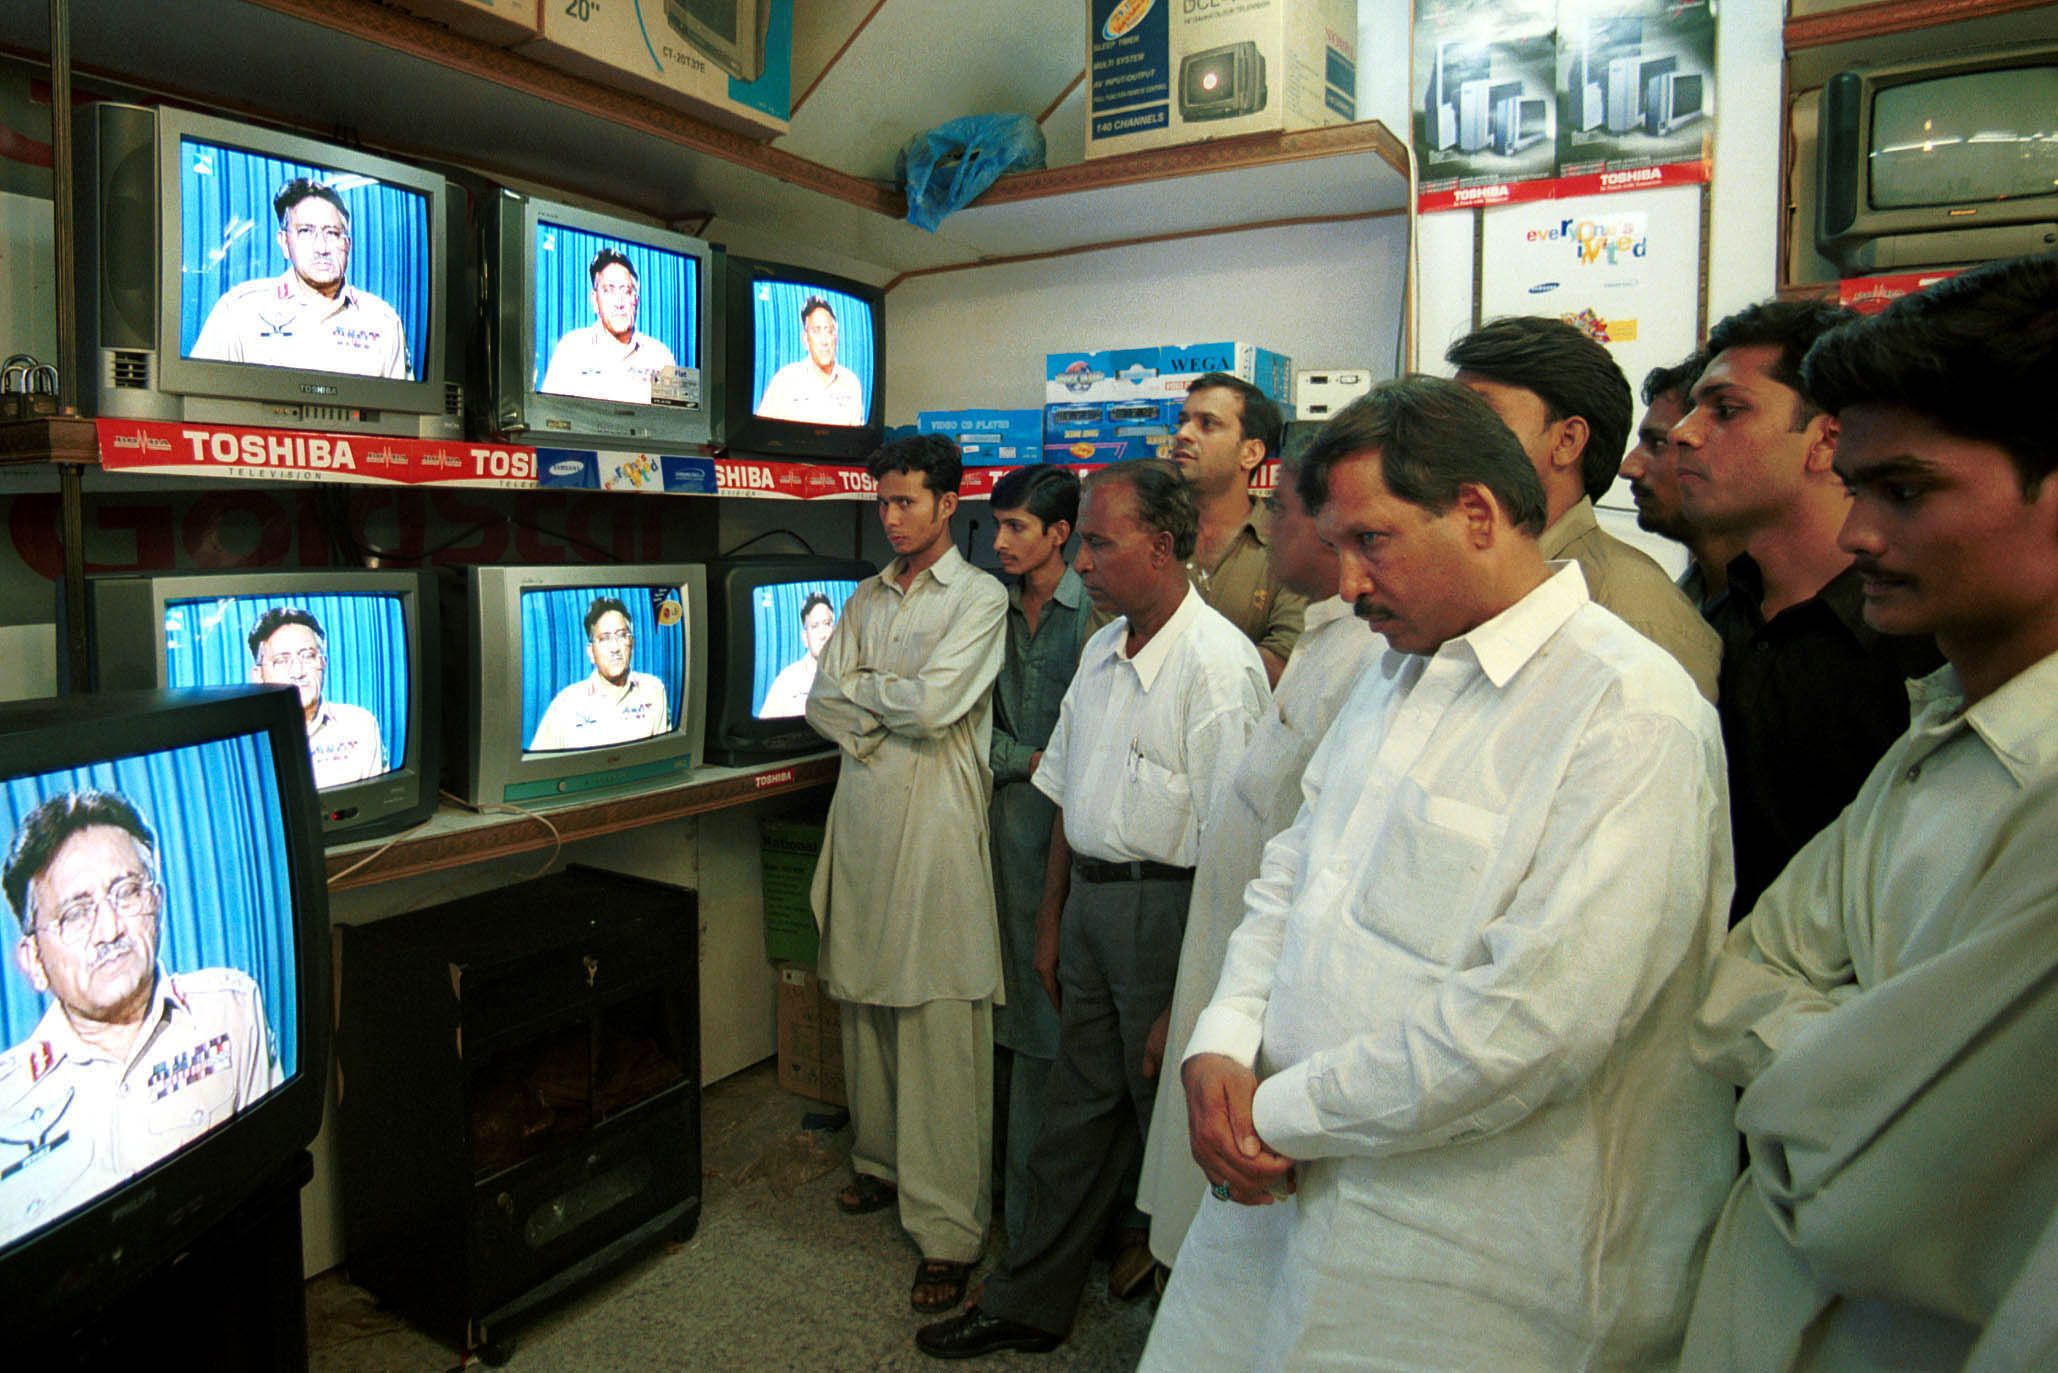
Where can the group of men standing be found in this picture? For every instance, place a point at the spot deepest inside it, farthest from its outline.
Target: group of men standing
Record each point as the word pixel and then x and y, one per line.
pixel 1430 910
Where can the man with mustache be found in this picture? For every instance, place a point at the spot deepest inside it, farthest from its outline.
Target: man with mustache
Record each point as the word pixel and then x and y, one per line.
pixel 1654 485
pixel 1453 1020
pixel 611 705
pixel 131 1061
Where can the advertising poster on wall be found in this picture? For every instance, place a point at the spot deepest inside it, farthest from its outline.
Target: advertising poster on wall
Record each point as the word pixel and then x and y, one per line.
pixel 1485 108
pixel 1626 268
pixel 1636 92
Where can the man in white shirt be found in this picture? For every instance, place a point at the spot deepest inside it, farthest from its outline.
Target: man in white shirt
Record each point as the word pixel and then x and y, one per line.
pixel 787 695
pixel 1260 801
pixel 612 705
pixel 1453 1020
pixel 288 648
pixel 609 359
pixel 1890 1004
pixel 1162 705
pixel 903 892
pixel 816 389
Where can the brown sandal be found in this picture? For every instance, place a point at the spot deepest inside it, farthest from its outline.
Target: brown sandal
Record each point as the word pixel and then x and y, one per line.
pixel 943 1276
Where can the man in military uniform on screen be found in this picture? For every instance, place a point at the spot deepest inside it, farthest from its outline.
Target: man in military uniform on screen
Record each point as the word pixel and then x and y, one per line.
pixel 816 389
pixel 613 705
pixel 608 359
pixel 130 1061
pixel 309 316
pixel 288 648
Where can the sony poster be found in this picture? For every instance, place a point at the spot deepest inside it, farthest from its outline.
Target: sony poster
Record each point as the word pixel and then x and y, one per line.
pixel 1485 104
pixel 1636 93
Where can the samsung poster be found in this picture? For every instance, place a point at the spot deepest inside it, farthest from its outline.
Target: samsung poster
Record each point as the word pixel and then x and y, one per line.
pixel 1485 101
pixel 1636 92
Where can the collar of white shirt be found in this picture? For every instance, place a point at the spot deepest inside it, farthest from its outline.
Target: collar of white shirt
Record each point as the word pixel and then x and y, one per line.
pixel 1510 639
pixel 945 569
pixel 2014 720
pixel 1320 613
pixel 1153 654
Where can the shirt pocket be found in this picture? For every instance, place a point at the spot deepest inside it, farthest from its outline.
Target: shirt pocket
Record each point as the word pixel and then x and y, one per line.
pixel 1159 813
pixel 1423 891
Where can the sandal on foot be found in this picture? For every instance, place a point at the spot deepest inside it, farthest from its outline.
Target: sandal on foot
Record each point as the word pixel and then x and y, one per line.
pixel 945 1280
pixel 865 1195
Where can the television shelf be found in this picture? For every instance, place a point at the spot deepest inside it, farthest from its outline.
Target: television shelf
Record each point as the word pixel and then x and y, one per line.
pixel 458 837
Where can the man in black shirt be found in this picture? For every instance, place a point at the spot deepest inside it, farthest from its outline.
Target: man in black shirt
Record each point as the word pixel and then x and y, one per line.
pixel 1810 694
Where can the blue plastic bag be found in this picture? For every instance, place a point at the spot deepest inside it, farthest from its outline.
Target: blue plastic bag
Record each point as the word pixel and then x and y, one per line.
pixel 946 168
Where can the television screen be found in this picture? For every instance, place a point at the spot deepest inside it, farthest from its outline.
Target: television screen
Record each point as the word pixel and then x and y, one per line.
pixel 815 354
pixel 601 665
pixel 285 263
pixel 154 991
pixel 346 654
pixel 790 624
pixel 1982 135
pixel 614 319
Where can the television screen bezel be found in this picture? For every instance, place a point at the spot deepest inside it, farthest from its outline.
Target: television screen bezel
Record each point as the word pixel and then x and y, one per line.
pixel 89 1256
pixel 742 431
pixel 184 376
pixel 735 737
pixel 393 801
pixel 491 757
pixel 546 417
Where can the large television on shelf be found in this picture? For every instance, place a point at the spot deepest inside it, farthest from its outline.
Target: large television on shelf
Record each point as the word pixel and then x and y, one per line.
pixel 566 683
pixel 801 369
pixel 599 327
pixel 357 646
pixel 769 618
pixel 166 893
pixel 1942 160
pixel 233 274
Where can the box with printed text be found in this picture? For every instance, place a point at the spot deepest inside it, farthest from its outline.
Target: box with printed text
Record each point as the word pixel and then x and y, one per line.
pixel 989 438
pixel 730 65
pixel 496 21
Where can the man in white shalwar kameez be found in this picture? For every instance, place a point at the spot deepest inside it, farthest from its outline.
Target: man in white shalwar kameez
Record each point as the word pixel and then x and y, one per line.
pixel 910 942
pixel 1453 1019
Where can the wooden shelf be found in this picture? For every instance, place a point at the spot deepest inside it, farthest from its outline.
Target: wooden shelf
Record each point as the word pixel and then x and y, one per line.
pixel 1891 16
pixel 61 440
pixel 1822 44
pixel 455 837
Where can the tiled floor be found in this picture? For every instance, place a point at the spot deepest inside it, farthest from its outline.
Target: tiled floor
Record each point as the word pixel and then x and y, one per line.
pixel 775 1278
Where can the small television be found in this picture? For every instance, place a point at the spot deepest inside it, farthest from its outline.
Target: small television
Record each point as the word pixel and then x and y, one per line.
pixel 802 365
pixel 237 275
pixel 166 851
pixel 356 645
pixel 1947 159
pixel 564 683
pixel 768 621
pixel 598 329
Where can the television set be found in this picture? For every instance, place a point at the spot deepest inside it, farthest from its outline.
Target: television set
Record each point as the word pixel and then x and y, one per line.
pixel 730 33
pixel 598 327
pixel 238 275
pixel 357 645
pixel 768 620
pixel 566 683
pixel 1947 159
pixel 165 850
pixel 801 370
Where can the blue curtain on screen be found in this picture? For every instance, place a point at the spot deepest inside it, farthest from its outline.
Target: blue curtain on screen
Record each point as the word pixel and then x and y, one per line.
pixel 554 644
pixel 775 627
pixel 221 854
pixel 668 286
pixel 207 643
pixel 229 235
pixel 780 340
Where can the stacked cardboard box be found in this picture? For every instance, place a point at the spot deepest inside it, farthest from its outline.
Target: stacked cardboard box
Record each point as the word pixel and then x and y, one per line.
pixel 1115 404
pixel 810 1037
pixel 989 438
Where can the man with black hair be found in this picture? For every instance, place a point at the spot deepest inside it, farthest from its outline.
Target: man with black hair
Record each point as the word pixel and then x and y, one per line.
pixel 309 316
pixel 903 891
pixel 1049 619
pixel 609 359
pixel 288 648
pixel 1655 486
pixel 1567 403
pixel 612 705
pixel 131 1061
pixel 787 695
pixel 1452 1022
pixel 816 389
pixel 1227 428
pixel 1151 727
pixel 1811 693
pixel 1890 1004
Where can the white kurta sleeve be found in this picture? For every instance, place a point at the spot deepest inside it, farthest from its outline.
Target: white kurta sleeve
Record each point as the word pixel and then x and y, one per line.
pixel 957 673
pixel 1620 892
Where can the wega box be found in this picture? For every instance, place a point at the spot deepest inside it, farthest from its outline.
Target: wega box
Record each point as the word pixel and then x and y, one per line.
pixel 671 51
pixel 1164 72
pixel 505 22
pixel 1181 364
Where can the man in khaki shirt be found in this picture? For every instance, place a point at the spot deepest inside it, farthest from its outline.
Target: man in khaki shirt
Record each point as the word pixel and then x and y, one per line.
pixel 1226 429
pixel 1568 403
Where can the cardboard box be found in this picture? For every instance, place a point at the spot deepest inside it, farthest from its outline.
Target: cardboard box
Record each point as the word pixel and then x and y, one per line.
pixel 504 22
pixel 1161 74
pixel 1181 364
pixel 1110 431
pixel 810 1038
pixel 787 850
pixel 658 48
pixel 1319 394
pixel 1102 374
pixel 989 438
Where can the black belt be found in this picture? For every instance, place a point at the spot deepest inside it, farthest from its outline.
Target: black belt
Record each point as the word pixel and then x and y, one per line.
pixel 1093 870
